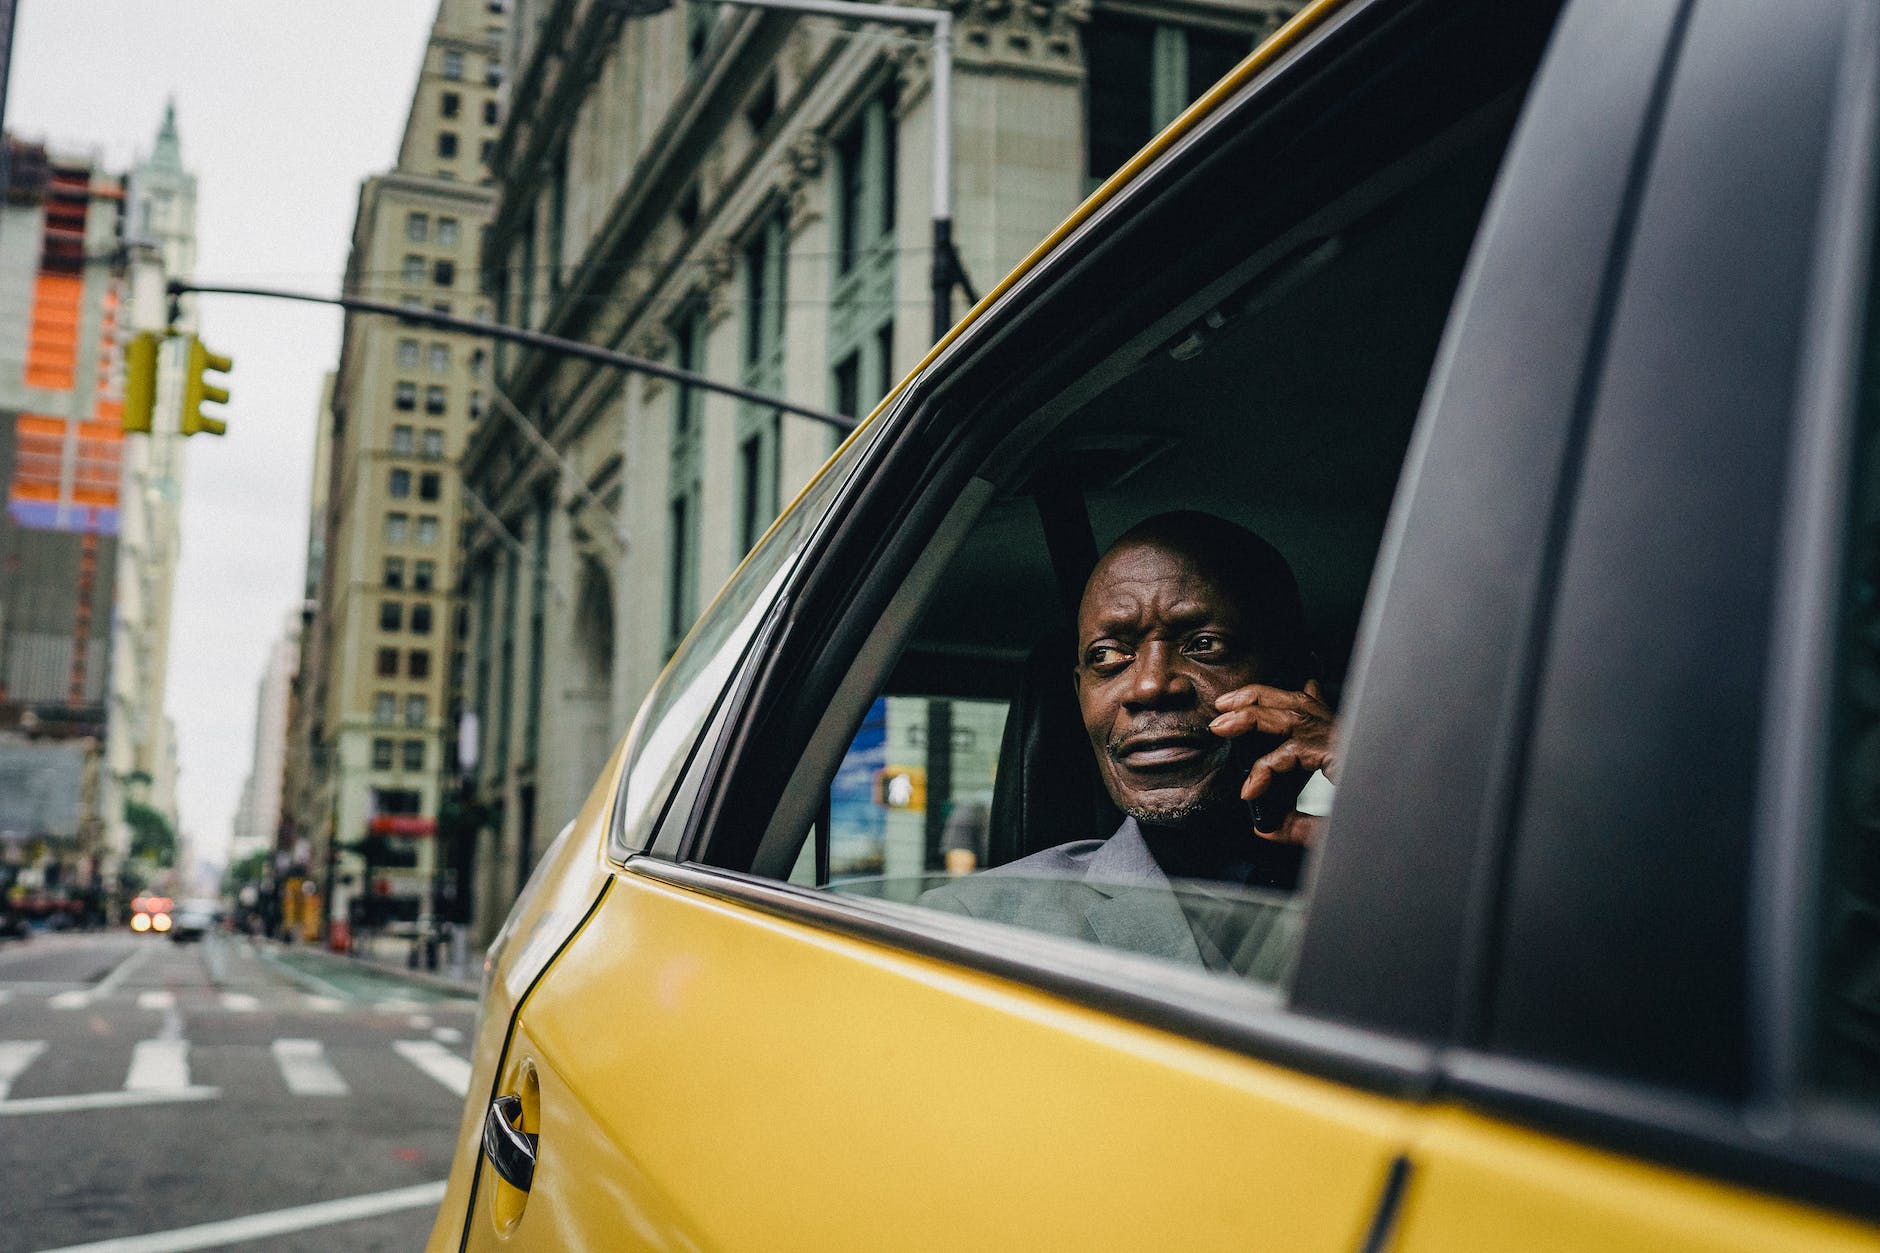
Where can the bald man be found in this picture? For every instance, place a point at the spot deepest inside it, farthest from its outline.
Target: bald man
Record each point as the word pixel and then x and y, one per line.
pixel 1190 636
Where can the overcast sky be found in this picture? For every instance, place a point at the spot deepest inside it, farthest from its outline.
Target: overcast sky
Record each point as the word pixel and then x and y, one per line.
pixel 283 107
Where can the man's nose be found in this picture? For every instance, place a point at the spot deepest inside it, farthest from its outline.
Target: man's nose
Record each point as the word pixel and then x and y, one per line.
pixel 1157 677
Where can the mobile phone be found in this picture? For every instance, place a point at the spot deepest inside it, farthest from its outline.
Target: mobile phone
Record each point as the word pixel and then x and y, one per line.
pixel 1269 809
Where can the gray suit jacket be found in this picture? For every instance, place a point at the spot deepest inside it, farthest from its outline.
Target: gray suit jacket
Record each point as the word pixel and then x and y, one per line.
pixel 1113 893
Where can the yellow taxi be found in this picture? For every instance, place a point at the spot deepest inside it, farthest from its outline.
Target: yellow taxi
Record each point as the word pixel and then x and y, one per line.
pixel 1539 339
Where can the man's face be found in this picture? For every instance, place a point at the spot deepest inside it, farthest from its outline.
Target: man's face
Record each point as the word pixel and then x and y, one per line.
pixel 1159 638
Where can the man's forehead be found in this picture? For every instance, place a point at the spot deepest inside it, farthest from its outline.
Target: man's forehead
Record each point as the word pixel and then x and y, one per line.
pixel 1134 578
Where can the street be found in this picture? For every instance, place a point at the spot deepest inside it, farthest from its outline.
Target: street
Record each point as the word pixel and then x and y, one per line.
pixel 156 1095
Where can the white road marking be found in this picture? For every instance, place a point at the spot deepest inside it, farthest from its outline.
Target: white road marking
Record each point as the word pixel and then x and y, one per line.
pixel 422 1022
pixel 103 1100
pixel 447 1035
pixel 436 1061
pixel 119 973
pixel 70 1000
pixel 325 1004
pixel 240 1003
pixel 305 1069
pixel 5 996
pixel 397 1005
pixel 158 1066
pixel 156 999
pixel 15 1057
pixel 273 1223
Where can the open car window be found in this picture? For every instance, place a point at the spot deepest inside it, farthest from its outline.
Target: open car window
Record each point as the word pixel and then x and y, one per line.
pixel 954 768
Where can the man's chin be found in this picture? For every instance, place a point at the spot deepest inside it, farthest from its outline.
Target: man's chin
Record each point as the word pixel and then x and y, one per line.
pixel 1175 811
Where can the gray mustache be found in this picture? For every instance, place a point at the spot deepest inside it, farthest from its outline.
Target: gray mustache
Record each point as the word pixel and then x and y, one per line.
pixel 1177 727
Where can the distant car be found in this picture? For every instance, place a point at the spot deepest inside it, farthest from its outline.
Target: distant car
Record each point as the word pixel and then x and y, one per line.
pixel 151 915
pixel 194 919
pixel 1544 340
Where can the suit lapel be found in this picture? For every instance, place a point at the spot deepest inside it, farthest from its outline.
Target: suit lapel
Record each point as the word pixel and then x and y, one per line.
pixel 1136 908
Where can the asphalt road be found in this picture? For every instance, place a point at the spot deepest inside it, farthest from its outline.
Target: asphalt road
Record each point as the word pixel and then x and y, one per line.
pixel 149 1088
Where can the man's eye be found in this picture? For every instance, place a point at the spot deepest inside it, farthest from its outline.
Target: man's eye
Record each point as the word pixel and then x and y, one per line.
pixel 1105 656
pixel 1207 646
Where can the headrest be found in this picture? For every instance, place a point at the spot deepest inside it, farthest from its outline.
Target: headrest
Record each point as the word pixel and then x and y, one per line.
pixel 1047 791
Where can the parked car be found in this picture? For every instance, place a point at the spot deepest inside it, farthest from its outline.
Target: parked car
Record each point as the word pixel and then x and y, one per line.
pixel 1538 337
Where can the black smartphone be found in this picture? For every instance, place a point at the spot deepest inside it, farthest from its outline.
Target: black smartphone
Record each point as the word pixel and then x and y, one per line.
pixel 1269 809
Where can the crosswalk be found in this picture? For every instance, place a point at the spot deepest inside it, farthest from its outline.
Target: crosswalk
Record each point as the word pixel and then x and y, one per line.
pixel 161 1070
pixel 158 1000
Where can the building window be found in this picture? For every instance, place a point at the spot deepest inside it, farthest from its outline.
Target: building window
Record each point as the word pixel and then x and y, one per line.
pixel 446 144
pixel 762 106
pixel 417 226
pixel 415 709
pixel 475 407
pixel 413 271
pixel 444 273
pixel 420 619
pixel 387 667
pixel 441 306
pixel 427 530
pixel 391 615
pixel 485 151
pixel 412 755
pixel 866 161
pixel 491 113
pixel 405 396
pixel 433 444
pixel 1139 75
pixel 418 664
pixel 382 750
pixel 384 708
pixel 400 485
pixel 401 440
pixel 493 76
pixel 429 485
pixel 453 66
pixel 447 232
pixel 479 361
pixel 440 358
pixel 699 21
pixel 449 103
pixel 423 575
pixel 408 354
pixel 678 571
pixel 395 573
pixel 395 526
pixel 434 399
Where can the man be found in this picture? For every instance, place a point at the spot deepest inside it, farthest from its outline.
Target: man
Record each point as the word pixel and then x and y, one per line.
pixel 1190 636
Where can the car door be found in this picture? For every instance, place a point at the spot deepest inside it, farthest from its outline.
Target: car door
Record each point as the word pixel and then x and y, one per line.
pixel 1642 1070
pixel 736 1051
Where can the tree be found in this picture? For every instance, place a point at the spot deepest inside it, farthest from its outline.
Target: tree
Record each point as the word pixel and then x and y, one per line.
pixel 152 840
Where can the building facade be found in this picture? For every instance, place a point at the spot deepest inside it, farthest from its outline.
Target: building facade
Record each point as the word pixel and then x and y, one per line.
pixel 87 540
pixel 383 633
pixel 258 816
pixel 745 194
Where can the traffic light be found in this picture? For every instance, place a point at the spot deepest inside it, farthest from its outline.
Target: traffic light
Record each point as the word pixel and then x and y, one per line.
pixel 198 390
pixel 140 381
pixel 901 787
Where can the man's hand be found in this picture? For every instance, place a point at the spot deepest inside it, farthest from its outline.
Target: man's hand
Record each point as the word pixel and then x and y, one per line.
pixel 1310 729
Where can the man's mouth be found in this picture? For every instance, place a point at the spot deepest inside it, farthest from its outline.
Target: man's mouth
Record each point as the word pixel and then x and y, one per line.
pixel 1164 750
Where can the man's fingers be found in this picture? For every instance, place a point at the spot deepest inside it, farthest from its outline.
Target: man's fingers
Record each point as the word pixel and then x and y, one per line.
pixel 1238 722
pixel 1285 758
pixel 1274 697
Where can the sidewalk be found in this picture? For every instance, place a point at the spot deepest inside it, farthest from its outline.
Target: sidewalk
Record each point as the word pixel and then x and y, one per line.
pixel 387 955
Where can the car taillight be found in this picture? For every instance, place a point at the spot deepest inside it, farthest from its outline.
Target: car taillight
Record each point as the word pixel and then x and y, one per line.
pixel 140 923
pixel 160 922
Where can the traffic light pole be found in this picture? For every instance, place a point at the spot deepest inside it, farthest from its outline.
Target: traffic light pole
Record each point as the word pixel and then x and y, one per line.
pixel 516 335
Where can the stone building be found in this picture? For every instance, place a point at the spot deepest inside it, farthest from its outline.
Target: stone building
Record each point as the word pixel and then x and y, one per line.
pixel 743 193
pixel 382 635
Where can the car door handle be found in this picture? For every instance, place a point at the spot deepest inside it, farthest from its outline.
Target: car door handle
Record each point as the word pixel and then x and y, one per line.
pixel 510 1149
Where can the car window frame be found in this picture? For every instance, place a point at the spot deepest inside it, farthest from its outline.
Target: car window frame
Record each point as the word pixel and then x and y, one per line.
pixel 924 441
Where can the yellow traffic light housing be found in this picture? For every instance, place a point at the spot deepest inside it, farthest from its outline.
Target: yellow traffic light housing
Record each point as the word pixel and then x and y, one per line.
pixel 198 390
pixel 140 382
pixel 901 787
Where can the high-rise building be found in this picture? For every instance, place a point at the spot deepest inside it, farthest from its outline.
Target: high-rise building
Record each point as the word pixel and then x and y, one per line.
pixel 160 242
pixel 258 816
pixel 87 540
pixel 744 193
pixel 384 635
